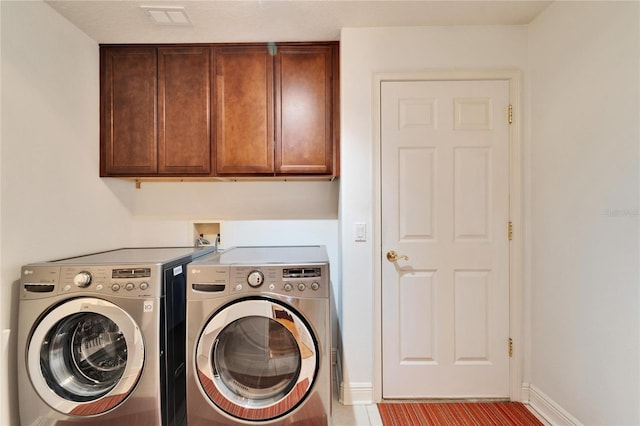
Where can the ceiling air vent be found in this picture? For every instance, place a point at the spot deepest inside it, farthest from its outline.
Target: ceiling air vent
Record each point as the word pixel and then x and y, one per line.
pixel 168 15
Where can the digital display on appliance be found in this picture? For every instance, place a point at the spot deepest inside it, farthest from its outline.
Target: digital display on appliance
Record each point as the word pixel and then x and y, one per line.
pixel 301 273
pixel 131 273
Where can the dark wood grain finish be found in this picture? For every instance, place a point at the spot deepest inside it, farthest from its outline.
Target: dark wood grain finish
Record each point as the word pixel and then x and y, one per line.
pixel 304 120
pixel 128 111
pixel 207 110
pixel 184 94
pixel 244 110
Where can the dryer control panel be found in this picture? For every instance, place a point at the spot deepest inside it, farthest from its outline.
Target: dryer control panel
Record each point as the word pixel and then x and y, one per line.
pixel 306 281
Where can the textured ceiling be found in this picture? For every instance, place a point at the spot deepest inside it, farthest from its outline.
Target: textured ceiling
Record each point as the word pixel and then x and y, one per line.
pixel 123 21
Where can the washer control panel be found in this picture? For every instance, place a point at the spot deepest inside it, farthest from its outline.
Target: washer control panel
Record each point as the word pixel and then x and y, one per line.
pixel 135 282
pixel 296 281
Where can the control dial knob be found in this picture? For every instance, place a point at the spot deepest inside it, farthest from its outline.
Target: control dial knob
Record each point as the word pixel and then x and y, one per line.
pixel 82 279
pixel 255 278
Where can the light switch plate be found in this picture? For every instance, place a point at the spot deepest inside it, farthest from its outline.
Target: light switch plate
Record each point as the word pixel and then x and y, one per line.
pixel 360 232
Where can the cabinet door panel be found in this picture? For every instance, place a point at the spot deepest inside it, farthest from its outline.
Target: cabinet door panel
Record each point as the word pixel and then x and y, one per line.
pixel 128 117
pixel 304 117
pixel 244 110
pixel 184 129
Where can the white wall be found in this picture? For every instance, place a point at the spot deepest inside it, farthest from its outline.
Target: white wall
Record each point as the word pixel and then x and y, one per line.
pixel 365 51
pixel 53 203
pixel 584 92
pixel 264 200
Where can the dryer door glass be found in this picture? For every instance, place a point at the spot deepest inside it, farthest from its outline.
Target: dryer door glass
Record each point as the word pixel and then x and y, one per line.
pixel 257 358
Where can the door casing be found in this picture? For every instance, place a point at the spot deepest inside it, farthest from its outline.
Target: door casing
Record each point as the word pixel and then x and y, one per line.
pixel 516 277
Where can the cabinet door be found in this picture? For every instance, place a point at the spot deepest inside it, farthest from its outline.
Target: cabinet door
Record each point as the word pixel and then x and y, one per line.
pixel 184 94
pixel 128 111
pixel 244 110
pixel 304 99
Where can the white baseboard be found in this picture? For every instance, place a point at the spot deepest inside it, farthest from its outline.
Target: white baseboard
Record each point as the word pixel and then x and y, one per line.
pixel 356 393
pixel 350 393
pixel 551 411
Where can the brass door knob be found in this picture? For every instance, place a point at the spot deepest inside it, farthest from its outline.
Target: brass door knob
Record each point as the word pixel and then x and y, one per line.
pixel 393 256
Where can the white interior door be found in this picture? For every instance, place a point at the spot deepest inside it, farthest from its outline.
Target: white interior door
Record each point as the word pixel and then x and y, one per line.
pixel 445 205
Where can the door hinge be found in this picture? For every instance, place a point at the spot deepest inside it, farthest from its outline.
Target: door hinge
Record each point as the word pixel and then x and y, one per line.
pixel 510 230
pixel 510 114
pixel 510 347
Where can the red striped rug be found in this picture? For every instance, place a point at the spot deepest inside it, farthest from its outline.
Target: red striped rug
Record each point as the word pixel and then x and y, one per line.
pixel 456 414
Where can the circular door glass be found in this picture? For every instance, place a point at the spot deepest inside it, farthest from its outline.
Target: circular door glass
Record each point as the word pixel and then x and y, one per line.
pixel 256 359
pixel 83 356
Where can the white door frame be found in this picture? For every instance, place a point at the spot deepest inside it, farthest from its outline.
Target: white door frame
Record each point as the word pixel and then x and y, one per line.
pixel 516 277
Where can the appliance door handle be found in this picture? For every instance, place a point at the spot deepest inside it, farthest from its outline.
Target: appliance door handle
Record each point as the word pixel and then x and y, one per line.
pixel 214 364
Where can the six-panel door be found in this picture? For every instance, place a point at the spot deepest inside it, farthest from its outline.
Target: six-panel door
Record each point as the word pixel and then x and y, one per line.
pixel 445 205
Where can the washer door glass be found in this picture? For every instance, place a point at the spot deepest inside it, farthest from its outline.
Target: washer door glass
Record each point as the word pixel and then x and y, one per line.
pixel 257 359
pixel 89 352
pixel 83 356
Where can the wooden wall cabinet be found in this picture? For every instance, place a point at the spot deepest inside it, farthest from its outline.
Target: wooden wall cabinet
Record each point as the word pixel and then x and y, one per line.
pixel 184 105
pixel 155 111
pixel 244 110
pixel 304 110
pixel 128 111
pixel 276 109
pixel 219 110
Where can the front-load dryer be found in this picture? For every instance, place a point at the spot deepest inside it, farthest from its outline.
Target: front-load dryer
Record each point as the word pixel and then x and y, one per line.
pixel 101 338
pixel 258 337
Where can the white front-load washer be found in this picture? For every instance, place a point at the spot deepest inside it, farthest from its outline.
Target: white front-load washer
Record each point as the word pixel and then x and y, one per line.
pixel 101 338
pixel 259 338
